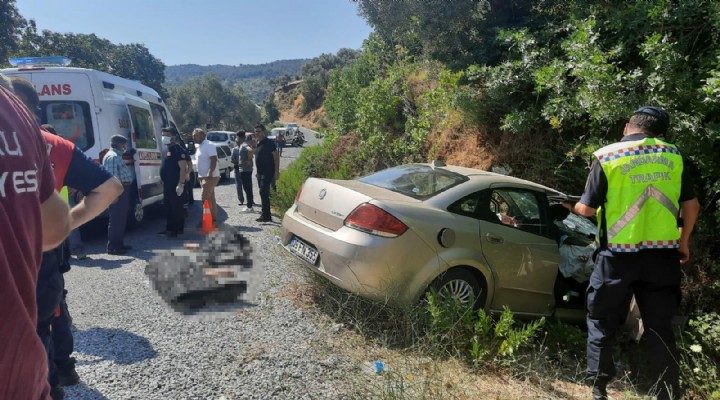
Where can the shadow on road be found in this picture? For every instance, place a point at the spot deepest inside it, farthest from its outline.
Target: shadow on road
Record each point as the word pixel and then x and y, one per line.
pixel 117 345
pixel 82 391
pixel 102 263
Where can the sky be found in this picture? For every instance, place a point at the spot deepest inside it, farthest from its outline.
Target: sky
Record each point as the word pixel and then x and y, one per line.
pixel 208 32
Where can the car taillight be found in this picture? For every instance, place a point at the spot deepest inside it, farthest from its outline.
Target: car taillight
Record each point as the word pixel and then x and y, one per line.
pixel 297 197
pixel 374 220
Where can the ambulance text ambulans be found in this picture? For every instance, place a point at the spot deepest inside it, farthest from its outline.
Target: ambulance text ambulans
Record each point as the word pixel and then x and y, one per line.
pixel 88 107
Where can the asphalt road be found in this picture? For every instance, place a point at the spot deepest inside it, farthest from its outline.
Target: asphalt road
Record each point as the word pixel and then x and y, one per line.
pixel 130 345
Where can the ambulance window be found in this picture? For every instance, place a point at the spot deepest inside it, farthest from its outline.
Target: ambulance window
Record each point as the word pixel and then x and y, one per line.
pixel 159 115
pixel 71 120
pixel 143 130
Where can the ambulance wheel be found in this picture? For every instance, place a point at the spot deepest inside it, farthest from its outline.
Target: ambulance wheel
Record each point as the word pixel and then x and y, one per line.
pixel 136 213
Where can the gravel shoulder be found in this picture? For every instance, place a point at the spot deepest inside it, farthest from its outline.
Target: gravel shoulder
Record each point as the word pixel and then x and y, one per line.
pixel 130 345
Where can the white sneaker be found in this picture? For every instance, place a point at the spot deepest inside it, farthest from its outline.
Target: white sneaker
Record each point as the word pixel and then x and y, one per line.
pixel 247 210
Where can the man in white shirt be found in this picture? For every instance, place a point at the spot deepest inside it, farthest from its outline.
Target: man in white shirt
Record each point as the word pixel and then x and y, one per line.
pixel 207 167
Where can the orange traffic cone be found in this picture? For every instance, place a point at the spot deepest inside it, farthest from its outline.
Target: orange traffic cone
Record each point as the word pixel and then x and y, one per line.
pixel 207 222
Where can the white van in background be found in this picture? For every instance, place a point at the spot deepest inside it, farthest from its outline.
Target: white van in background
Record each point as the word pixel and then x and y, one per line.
pixel 226 138
pixel 88 107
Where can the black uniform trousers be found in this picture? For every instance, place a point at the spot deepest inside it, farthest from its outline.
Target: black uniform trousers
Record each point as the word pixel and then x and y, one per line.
pixel 653 276
pixel 174 209
pixel 49 295
pixel 264 184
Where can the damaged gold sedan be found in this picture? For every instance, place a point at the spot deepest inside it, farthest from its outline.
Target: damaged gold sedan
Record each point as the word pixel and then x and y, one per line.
pixel 486 238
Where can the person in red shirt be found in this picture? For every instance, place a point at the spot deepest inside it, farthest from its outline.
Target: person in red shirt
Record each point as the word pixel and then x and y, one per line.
pixel 34 218
pixel 72 169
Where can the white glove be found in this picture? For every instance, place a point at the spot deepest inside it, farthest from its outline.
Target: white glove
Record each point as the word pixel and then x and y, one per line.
pixel 180 189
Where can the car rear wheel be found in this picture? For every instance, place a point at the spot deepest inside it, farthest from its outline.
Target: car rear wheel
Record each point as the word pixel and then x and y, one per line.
pixel 463 285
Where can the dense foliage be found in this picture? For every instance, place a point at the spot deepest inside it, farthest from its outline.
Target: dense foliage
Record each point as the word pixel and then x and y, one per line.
pixel 535 87
pixel 209 102
pixel 11 25
pixel 257 81
pixel 315 76
pixel 131 61
pixel 541 84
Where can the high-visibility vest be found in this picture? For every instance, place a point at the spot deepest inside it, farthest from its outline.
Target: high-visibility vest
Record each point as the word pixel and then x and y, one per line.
pixel 642 203
pixel 64 194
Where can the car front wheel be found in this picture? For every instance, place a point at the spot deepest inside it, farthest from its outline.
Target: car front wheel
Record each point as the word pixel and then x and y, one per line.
pixel 461 284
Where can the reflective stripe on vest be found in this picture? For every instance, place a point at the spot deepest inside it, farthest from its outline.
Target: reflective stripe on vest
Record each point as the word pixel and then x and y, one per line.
pixel 641 207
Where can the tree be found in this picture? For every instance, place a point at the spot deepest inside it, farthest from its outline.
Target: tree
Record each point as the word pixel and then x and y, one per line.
pixel 208 101
pixel 132 61
pixel 316 75
pixel 11 25
pixel 271 112
pixel 457 32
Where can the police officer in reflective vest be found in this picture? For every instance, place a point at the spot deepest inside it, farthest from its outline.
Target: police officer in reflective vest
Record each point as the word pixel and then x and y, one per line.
pixel 639 188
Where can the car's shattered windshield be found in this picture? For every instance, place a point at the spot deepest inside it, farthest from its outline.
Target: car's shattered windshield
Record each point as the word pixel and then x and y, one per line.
pixel 415 180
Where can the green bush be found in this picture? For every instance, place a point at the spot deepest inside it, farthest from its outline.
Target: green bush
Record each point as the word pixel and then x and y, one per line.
pixel 315 161
pixel 699 356
pixel 455 329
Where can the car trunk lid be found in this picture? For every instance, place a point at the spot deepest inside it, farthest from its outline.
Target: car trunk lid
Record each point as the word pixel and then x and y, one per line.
pixel 328 202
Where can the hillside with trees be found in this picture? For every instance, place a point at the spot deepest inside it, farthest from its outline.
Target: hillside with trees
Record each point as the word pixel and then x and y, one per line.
pixel 257 81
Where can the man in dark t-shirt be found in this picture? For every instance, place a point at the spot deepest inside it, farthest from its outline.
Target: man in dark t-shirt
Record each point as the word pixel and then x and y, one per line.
pixel 34 218
pixel 267 165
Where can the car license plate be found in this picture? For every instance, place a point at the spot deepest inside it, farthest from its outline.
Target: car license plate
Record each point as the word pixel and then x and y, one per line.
pixel 303 250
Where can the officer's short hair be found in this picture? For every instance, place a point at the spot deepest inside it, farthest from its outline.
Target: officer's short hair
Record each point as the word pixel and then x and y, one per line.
pixel 261 127
pixel 651 119
pixel 25 88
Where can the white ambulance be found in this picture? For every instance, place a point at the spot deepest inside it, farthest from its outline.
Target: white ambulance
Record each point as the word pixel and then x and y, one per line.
pixel 88 107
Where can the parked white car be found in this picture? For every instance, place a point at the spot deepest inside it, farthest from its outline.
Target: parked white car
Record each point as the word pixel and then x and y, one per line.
pixel 227 138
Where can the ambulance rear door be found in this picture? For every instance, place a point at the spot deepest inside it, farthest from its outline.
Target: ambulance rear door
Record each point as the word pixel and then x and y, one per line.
pixel 148 157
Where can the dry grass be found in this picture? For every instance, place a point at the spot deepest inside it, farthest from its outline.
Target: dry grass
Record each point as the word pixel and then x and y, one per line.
pixel 461 145
pixel 364 335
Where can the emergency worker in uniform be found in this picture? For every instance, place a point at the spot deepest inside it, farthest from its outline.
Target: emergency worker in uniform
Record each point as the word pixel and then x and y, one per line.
pixel 72 168
pixel 174 173
pixel 34 218
pixel 638 187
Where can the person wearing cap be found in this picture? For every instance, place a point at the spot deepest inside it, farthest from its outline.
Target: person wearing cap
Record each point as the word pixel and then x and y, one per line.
pixel 646 210
pixel 174 173
pixel 114 163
